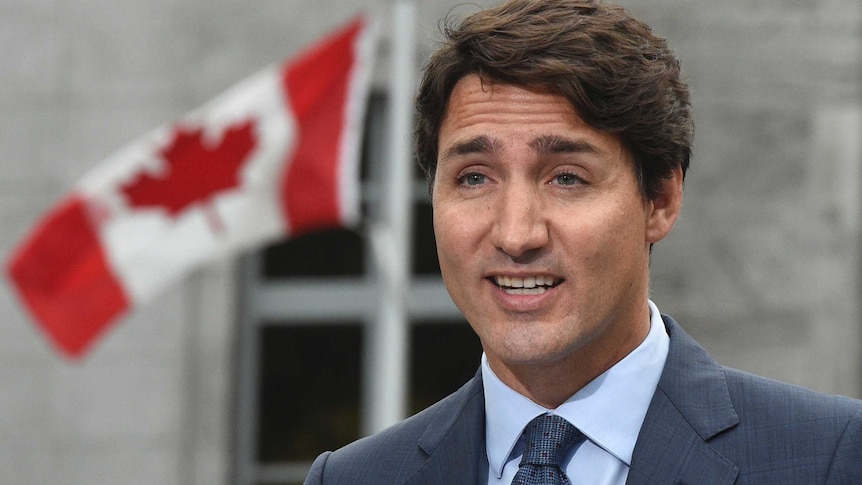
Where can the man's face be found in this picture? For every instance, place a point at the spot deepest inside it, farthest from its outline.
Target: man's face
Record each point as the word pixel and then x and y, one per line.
pixel 542 233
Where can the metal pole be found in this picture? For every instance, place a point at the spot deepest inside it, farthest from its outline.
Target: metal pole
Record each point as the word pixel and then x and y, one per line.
pixel 247 378
pixel 388 342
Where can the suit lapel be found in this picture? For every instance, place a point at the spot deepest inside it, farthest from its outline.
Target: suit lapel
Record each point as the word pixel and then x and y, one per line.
pixel 454 441
pixel 669 451
pixel 691 405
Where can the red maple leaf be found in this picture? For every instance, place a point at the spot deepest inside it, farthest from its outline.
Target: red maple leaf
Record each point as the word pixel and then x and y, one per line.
pixel 196 171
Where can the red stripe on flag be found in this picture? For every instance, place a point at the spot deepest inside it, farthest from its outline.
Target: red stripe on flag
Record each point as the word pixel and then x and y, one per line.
pixel 63 275
pixel 317 87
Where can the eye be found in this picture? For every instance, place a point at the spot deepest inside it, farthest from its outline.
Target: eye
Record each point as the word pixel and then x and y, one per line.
pixel 567 179
pixel 472 179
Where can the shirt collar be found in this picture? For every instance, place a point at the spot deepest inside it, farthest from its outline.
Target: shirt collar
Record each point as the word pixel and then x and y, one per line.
pixel 609 410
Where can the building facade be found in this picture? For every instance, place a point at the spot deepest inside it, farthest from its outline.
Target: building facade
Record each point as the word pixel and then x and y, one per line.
pixel 214 382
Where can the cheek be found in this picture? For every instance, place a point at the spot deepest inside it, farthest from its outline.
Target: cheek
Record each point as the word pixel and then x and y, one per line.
pixel 452 254
pixel 458 225
pixel 447 227
pixel 625 246
pixel 602 241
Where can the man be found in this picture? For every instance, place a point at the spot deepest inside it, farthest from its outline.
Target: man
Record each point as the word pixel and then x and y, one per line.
pixel 556 135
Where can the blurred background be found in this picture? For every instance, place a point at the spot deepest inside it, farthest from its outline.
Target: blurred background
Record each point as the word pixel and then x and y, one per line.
pixel 221 379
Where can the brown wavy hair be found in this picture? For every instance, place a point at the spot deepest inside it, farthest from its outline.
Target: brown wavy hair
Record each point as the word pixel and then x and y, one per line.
pixel 618 75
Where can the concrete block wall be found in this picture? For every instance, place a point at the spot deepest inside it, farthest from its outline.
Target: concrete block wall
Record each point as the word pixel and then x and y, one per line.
pixel 150 404
pixel 763 267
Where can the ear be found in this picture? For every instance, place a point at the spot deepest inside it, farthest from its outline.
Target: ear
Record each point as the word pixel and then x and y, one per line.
pixel 663 211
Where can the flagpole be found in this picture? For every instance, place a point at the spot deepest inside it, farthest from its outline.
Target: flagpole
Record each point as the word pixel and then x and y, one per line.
pixel 388 342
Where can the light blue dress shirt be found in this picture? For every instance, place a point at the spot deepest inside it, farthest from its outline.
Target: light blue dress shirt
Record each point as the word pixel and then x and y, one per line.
pixel 609 411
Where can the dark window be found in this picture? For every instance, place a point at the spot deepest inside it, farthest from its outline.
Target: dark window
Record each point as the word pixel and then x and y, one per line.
pixel 443 357
pixel 424 248
pixel 338 252
pixel 309 390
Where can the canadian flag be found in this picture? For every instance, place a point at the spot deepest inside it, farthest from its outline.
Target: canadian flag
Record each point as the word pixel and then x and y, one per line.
pixel 273 157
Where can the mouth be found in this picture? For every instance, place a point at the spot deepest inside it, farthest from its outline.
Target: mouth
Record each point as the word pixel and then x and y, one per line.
pixel 528 285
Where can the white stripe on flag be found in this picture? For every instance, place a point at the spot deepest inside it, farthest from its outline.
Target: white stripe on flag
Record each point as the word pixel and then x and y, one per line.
pixel 274 156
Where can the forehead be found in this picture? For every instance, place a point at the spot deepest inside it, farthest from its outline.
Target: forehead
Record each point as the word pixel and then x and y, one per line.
pixel 506 114
pixel 474 96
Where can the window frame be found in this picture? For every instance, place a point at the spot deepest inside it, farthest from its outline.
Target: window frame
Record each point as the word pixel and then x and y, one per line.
pixel 306 300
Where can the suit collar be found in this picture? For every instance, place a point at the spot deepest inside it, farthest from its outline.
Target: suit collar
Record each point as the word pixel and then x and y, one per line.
pixel 454 440
pixel 691 406
pixel 696 385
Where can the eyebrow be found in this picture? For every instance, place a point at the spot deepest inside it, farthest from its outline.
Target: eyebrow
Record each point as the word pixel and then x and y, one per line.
pixel 543 145
pixel 480 144
pixel 552 144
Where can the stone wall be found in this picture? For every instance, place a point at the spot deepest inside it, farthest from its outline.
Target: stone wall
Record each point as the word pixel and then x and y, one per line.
pixel 762 268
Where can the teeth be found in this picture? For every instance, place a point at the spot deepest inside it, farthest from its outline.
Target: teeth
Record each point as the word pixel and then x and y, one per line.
pixel 531 285
pixel 526 291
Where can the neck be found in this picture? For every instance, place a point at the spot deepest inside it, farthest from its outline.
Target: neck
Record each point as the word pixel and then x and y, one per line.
pixel 550 384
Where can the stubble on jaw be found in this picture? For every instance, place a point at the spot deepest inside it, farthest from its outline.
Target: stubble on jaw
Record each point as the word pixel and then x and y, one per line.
pixel 553 378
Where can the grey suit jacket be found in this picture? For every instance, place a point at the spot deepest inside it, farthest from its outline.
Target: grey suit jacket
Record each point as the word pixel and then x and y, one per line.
pixel 706 425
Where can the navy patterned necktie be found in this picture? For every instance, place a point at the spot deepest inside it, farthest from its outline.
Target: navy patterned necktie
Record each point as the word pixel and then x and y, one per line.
pixel 548 439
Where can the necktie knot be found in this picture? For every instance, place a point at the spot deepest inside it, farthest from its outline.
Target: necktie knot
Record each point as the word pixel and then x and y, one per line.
pixel 548 439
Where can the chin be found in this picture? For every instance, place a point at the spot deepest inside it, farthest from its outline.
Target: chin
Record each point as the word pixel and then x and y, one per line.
pixel 525 354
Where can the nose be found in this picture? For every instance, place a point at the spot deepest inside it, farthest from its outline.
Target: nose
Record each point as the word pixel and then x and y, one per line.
pixel 520 227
